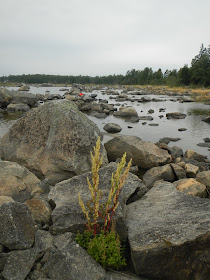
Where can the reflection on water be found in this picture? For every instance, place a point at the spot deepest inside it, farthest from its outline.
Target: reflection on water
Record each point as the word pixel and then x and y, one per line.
pixel 196 128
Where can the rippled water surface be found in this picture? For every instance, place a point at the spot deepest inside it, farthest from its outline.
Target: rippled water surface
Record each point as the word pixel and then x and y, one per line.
pixel 196 128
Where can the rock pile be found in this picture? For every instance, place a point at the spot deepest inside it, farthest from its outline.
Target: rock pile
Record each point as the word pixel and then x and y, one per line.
pixel 164 216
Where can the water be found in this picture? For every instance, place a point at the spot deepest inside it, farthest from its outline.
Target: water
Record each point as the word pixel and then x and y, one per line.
pixel 196 128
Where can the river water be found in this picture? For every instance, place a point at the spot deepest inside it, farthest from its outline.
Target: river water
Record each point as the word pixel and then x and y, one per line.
pixel 196 131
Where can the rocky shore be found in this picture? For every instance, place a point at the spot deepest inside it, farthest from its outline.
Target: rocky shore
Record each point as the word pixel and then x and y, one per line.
pixel 163 213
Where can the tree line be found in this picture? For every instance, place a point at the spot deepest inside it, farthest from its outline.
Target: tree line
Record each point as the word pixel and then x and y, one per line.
pixel 198 74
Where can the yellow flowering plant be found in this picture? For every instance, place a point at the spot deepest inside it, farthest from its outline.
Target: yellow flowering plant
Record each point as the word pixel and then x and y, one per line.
pixel 100 238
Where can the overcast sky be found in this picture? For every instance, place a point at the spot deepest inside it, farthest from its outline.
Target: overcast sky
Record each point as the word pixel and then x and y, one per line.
pixel 100 37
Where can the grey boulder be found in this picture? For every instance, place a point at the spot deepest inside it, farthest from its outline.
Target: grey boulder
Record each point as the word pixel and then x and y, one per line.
pixel 53 141
pixel 73 262
pixel 144 154
pixel 169 235
pixel 17 228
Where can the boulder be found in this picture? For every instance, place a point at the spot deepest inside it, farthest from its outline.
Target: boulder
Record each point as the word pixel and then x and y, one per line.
pixel 16 97
pixel 24 88
pixel 5 199
pixel 192 155
pixel 144 154
pixel 16 181
pixel 175 115
pixel 54 141
pixel 175 151
pixel 40 210
pixel 191 170
pixel 126 112
pixel 18 264
pixel 207 119
pixel 112 128
pixel 16 226
pixel 72 262
pixel 207 145
pixel 204 178
pixel 145 118
pixel 166 140
pixel 169 235
pixel 157 173
pixel 178 170
pixel 18 107
pixel 191 187
pixel 67 214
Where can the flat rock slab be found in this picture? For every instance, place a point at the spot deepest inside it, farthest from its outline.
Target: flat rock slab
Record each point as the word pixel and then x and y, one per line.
pixel 169 234
pixel 68 215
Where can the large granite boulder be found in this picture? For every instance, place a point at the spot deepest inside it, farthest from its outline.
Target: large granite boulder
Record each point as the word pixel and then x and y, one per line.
pixel 53 141
pixel 17 227
pixel 144 154
pixel 67 214
pixel 169 234
pixel 16 181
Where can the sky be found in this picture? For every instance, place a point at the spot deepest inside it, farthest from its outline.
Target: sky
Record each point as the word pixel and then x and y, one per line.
pixel 100 37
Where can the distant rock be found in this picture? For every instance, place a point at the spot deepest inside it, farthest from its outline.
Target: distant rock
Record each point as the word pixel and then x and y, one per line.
pixel 207 144
pixel 154 124
pixel 126 112
pixel 168 139
pixel 175 115
pixel 182 129
pixel 24 88
pixel 207 139
pixel 207 119
pixel 146 118
pixel 112 128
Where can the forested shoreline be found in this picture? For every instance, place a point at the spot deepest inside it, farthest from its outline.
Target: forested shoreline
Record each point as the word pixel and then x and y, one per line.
pixel 198 74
